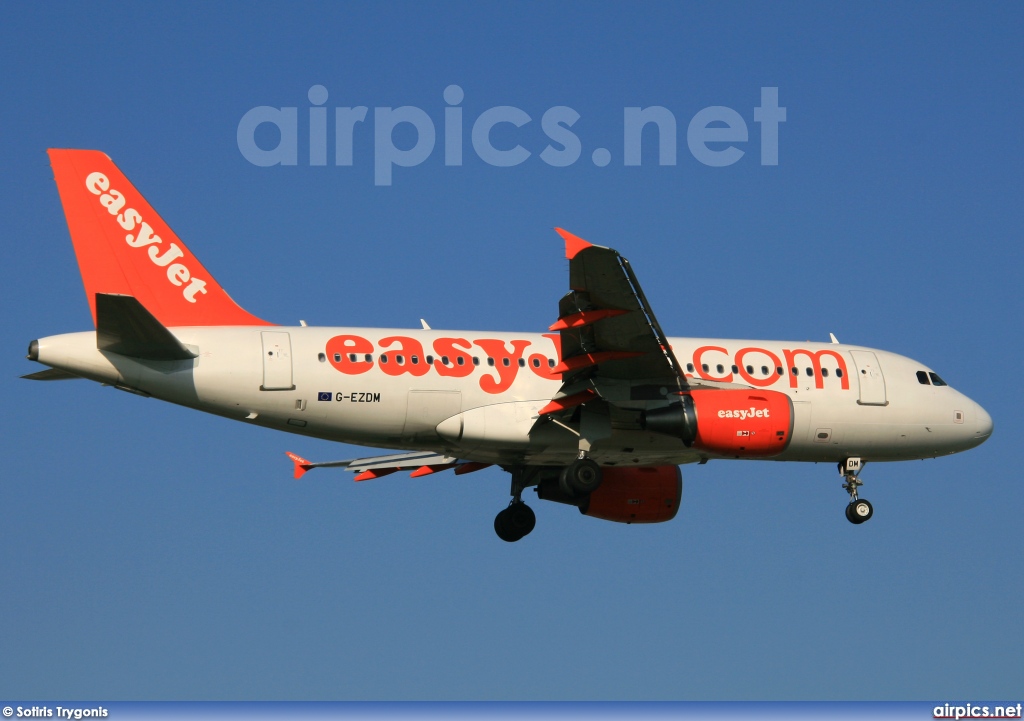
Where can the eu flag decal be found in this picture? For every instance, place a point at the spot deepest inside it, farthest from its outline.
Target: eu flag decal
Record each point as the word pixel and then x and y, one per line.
pixel 323 396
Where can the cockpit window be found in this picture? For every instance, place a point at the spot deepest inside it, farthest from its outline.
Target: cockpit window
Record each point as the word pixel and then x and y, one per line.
pixel 922 378
pixel 936 381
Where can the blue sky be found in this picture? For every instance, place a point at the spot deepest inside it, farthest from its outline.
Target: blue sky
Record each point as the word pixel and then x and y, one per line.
pixel 151 552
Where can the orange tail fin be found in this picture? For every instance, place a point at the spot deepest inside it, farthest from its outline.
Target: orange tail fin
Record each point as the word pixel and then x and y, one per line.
pixel 124 247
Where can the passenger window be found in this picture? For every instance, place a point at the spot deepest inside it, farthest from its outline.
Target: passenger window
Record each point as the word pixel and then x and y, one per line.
pixel 764 370
pixel 444 360
pixel 522 363
pixel 735 369
pixel 778 370
pixel 936 381
pixel 720 368
pixel 824 372
pixel 476 361
pixel 839 372
pixel 704 367
pixel 551 362
pixel 810 373
pixel 490 361
pixel 461 360
pixel 384 358
pixel 536 362
pixel 795 371
pixel 400 360
pixel 415 360
pixel 689 367
pixel 322 358
pixel 337 357
pixel 430 360
pixel 922 378
pixel 352 357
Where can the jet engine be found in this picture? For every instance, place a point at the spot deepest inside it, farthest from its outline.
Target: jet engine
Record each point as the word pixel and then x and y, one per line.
pixel 626 495
pixel 728 422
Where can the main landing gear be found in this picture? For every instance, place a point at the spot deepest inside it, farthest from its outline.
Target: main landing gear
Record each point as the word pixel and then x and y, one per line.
pixel 515 521
pixel 518 519
pixel 577 480
pixel 858 510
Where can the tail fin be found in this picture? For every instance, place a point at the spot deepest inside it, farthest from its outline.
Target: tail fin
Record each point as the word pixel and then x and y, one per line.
pixel 125 248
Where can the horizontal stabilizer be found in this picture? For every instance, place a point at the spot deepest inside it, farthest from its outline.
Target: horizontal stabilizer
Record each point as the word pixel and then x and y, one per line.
pixel 51 374
pixel 125 327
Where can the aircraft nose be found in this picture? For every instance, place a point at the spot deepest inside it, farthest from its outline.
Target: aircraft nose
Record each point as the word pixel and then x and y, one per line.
pixel 984 423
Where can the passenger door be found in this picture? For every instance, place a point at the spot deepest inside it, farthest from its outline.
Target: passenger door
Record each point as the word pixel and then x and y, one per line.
pixel 869 373
pixel 277 362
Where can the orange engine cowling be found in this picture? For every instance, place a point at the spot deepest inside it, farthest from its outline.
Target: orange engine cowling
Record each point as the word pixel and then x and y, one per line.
pixel 636 495
pixel 729 422
pixel 742 423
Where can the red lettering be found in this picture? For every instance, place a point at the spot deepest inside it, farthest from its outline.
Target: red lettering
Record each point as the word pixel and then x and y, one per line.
pixel 341 346
pixel 449 347
pixel 815 358
pixel 539 363
pixel 411 353
pixel 759 382
pixel 507 364
pixel 699 353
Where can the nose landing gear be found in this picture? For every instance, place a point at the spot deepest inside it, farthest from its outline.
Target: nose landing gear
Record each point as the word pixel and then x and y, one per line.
pixel 858 510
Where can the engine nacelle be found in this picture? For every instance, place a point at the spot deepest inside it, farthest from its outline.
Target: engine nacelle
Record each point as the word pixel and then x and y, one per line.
pixel 626 495
pixel 728 422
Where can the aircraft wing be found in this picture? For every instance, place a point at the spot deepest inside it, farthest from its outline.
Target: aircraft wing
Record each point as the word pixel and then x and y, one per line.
pixel 609 334
pixel 421 463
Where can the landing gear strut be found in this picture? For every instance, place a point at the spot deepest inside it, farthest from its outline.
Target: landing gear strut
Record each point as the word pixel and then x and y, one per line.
pixel 516 521
pixel 858 510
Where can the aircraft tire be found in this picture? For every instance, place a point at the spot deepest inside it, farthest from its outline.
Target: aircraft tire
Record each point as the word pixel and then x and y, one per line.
pixel 514 522
pixel 859 511
pixel 580 478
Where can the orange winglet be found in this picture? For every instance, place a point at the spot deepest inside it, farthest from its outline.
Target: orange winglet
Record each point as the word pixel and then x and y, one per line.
pixel 590 359
pixel 427 470
pixel 578 320
pixel 560 404
pixel 464 468
pixel 374 473
pixel 301 464
pixel 573 243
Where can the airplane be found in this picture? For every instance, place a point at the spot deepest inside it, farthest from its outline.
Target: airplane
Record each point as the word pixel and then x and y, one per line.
pixel 598 413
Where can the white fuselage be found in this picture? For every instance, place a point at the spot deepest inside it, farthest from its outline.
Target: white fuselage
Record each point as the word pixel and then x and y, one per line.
pixel 848 401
